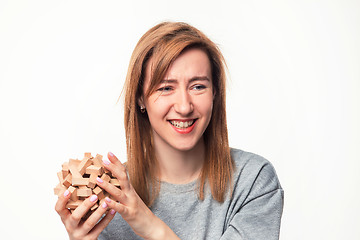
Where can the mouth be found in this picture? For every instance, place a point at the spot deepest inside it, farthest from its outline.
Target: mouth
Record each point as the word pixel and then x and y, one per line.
pixel 182 124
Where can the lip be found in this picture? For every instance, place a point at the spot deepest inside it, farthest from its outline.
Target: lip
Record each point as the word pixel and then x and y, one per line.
pixel 185 130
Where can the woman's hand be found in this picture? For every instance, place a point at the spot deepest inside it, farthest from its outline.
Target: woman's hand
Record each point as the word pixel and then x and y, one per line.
pixel 127 203
pixel 78 228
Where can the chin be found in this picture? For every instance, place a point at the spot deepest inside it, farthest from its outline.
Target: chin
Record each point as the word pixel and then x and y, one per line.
pixel 185 146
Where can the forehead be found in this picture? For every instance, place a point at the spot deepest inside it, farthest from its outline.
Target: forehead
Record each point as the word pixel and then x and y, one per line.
pixel 190 63
pixel 193 61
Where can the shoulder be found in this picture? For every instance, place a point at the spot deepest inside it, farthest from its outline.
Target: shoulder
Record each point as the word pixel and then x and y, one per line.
pixel 254 173
pixel 243 159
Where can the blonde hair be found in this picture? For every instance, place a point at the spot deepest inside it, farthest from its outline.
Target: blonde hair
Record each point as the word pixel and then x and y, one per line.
pixel 163 43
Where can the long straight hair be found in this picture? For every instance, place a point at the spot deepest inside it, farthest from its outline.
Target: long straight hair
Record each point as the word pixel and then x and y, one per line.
pixel 163 43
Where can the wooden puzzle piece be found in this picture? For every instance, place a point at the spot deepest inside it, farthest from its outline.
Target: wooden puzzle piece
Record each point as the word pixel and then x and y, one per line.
pixel 86 162
pixel 84 192
pixel 115 182
pixel 92 169
pixel 105 177
pixel 79 177
pixel 92 181
pixel 73 192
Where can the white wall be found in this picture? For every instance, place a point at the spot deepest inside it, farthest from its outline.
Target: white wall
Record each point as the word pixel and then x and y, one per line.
pixel 293 97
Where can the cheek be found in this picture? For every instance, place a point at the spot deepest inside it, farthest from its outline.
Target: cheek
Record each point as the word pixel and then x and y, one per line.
pixel 205 106
pixel 157 108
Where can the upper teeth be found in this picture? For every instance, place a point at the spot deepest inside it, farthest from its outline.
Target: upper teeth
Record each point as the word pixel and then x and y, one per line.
pixel 179 124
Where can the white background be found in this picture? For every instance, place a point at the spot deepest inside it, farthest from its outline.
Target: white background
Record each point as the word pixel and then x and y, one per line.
pixel 293 97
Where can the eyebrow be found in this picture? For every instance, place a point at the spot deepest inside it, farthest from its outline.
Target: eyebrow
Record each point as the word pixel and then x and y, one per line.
pixel 196 78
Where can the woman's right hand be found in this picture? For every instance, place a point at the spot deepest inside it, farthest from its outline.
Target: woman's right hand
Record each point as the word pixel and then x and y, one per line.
pixel 78 228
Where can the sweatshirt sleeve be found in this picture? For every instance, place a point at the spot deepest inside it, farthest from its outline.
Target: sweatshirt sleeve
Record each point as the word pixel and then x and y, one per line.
pixel 256 216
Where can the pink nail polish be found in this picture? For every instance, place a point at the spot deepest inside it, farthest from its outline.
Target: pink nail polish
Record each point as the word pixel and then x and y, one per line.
pixel 111 154
pixel 66 193
pixel 93 198
pixel 106 162
pixel 108 199
pixel 112 212
pixel 104 205
pixel 99 180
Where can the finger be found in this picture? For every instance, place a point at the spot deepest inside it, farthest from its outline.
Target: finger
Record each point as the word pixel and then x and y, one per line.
pixel 81 210
pixel 118 170
pixel 118 207
pixel 60 206
pixel 115 192
pixel 102 224
pixel 114 160
pixel 95 217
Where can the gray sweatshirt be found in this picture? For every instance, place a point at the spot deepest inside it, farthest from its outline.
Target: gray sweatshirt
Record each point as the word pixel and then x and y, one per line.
pixel 253 213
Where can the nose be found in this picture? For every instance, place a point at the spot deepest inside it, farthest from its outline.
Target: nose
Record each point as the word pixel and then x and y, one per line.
pixel 183 103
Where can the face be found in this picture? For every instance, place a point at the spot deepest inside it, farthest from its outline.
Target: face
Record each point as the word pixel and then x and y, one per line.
pixel 180 109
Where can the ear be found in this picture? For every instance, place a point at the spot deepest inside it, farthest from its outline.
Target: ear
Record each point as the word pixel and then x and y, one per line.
pixel 141 102
pixel 214 94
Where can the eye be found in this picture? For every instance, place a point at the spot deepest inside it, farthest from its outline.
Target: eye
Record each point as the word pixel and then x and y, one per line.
pixel 164 89
pixel 199 87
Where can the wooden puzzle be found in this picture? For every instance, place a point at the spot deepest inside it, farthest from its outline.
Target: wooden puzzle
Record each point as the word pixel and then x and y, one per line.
pixel 79 177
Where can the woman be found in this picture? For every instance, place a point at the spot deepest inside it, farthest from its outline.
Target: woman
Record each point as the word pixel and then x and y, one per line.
pixel 181 180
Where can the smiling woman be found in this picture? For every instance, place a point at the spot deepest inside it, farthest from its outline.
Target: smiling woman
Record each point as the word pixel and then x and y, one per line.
pixel 181 178
pixel 168 64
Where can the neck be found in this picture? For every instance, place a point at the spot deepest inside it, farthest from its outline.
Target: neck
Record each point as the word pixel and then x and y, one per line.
pixel 180 167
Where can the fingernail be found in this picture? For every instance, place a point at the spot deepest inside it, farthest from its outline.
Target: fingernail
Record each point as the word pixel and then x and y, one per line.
pixel 93 198
pixel 99 180
pixel 111 154
pixel 106 162
pixel 66 193
pixel 104 205
pixel 112 212
pixel 108 199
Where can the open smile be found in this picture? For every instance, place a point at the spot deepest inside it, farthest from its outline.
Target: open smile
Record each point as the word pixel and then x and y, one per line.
pixel 183 126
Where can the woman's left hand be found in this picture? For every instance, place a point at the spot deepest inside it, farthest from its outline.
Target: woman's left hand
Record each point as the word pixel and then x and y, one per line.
pixel 130 206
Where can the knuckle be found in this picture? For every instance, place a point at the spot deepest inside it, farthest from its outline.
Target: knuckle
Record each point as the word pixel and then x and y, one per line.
pixel 118 195
pixel 77 235
pixel 57 209
pixel 88 224
pixel 68 228
pixel 88 238
pixel 74 218
pixel 122 176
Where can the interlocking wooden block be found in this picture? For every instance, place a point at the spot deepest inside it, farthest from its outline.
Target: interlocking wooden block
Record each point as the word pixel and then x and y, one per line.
pixel 65 169
pixel 73 192
pixel 74 171
pixel 94 170
pixel 94 207
pixel 105 177
pixel 84 192
pixel 98 160
pixel 115 182
pixel 67 181
pixel 80 181
pixel 73 204
pixel 75 162
pixel 79 177
pixel 86 162
pixel 59 188
pixel 92 181
pixel 60 176
pixel 99 192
